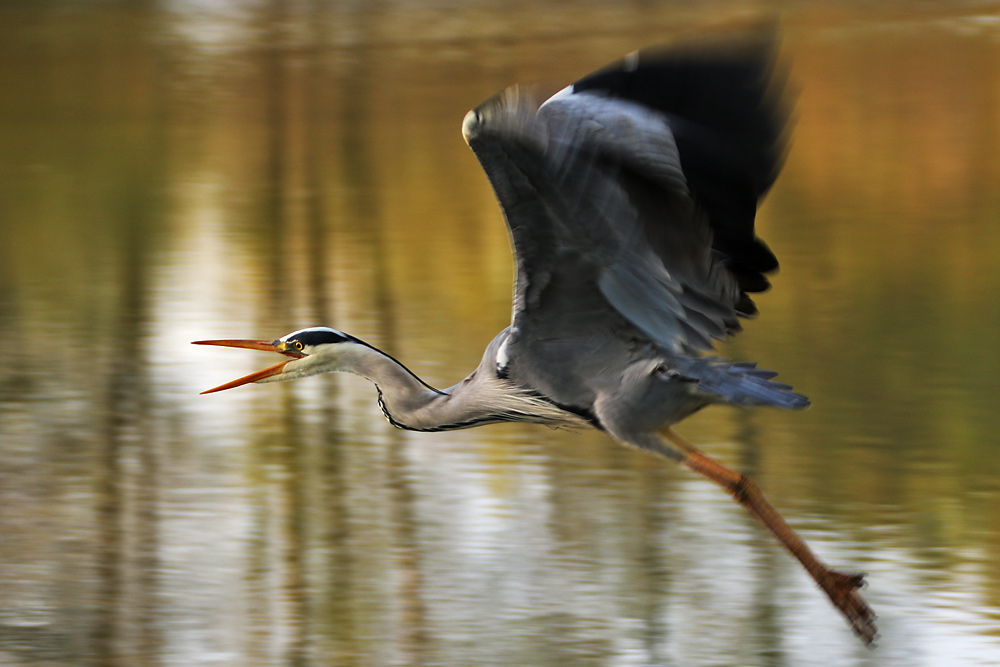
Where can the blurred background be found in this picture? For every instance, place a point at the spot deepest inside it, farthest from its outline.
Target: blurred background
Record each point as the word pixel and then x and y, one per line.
pixel 174 170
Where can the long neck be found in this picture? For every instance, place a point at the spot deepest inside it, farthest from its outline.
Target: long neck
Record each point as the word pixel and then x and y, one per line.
pixel 401 394
pixel 410 403
pixel 482 398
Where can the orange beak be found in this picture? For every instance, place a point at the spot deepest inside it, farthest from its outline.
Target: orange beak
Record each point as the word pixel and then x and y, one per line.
pixel 266 345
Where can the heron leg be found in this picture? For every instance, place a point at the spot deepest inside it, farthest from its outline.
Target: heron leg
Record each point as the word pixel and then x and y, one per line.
pixel 841 588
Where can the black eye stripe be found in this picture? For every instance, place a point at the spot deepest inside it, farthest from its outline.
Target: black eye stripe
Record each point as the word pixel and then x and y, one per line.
pixel 319 337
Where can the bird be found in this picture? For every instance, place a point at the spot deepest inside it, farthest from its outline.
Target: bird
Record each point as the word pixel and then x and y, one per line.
pixel 630 198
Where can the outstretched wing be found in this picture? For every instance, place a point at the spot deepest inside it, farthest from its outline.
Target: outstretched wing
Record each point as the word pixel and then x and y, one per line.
pixel 632 193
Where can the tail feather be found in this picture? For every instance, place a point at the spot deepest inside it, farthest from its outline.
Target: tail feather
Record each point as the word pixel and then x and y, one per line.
pixel 742 383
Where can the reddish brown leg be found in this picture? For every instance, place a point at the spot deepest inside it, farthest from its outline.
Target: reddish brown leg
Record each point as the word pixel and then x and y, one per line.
pixel 841 588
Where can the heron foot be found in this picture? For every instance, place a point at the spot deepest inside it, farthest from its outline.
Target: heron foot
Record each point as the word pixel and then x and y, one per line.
pixel 842 589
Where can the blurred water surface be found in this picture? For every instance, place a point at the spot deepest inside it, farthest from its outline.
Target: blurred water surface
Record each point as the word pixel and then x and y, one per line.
pixel 179 170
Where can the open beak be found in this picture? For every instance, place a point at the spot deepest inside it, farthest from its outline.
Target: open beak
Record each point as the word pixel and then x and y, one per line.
pixel 266 345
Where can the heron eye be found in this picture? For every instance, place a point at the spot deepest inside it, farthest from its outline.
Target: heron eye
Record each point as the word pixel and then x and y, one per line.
pixel 297 344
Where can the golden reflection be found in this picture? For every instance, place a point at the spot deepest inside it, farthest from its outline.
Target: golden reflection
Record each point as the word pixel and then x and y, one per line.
pixel 170 175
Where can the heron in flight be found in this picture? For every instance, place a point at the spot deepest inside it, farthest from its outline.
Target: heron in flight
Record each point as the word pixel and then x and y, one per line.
pixel 630 199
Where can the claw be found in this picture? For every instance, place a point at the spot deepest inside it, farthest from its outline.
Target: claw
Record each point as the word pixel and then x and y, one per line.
pixel 842 589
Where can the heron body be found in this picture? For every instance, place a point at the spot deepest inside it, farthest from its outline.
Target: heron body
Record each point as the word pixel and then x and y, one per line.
pixel 630 198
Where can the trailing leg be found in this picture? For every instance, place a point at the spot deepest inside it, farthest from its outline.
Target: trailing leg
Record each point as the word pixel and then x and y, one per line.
pixel 841 588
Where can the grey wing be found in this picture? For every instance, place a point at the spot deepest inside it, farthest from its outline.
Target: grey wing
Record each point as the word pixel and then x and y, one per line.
pixel 621 189
pixel 630 199
pixel 652 169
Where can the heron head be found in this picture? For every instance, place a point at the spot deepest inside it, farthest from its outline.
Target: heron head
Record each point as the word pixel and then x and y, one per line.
pixel 312 351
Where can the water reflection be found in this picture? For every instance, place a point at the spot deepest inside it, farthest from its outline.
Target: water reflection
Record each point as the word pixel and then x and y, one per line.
pixel 195 170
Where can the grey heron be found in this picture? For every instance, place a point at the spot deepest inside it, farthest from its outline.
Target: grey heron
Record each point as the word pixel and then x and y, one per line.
pixel 630 198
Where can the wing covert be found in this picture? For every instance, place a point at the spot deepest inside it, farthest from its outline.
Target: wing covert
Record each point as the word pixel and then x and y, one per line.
pixel 626 199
